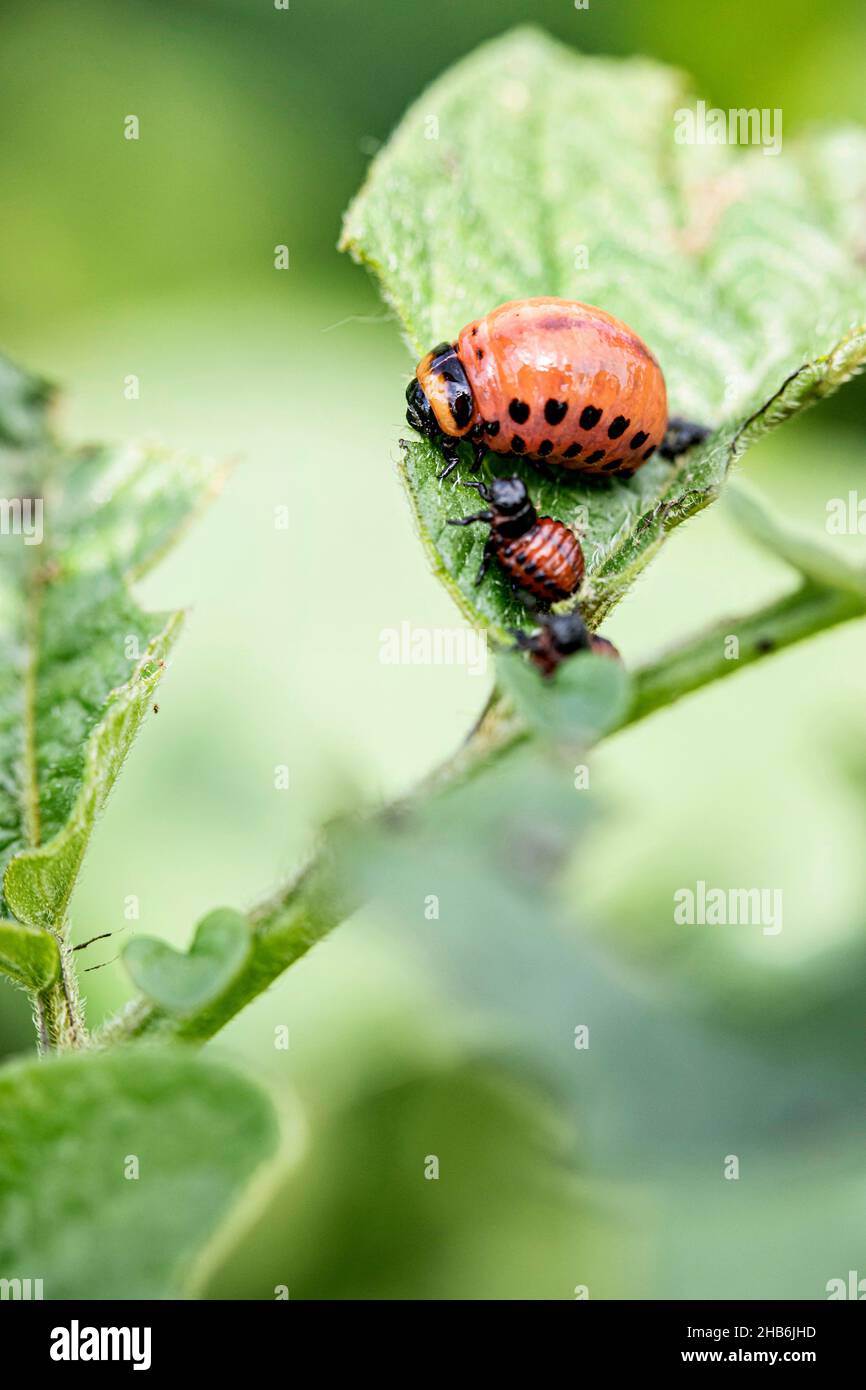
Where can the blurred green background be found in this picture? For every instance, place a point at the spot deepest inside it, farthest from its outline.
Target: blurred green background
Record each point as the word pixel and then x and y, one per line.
pixel 155 258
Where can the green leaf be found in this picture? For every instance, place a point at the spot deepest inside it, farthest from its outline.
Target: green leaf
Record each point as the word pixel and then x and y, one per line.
pixel 72 1210
pixel 179 983
pixel 23 399
pixel 742 271
pixel 28 956
pixel 585 698
pixel 822 563
pixel 79 659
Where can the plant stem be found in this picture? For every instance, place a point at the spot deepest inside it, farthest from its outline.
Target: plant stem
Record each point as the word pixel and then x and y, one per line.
pixel 284 928
pixel 57 1010
pixel 704 659
pixel 40 1018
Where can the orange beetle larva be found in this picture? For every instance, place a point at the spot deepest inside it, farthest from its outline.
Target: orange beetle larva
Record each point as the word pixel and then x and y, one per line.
pixel 550 380
pixel 560 636
pixel 539 554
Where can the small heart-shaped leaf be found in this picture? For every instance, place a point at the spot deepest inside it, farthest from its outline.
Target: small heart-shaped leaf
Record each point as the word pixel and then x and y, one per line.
pixel 180 983
pixel 586 697
pixel 28 956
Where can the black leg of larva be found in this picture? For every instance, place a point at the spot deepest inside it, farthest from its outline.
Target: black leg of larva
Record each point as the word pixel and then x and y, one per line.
pixel 468 520
pixel 479 449
pixel 452 458
pixel 485 560
pixel 680 436
pixel 523 641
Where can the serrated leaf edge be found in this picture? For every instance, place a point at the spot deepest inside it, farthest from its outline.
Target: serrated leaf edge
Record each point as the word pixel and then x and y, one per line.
pixel 94 791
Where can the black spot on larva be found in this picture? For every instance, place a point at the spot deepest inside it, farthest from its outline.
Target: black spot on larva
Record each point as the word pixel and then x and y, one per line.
pixel 595 457
pixel 492 427
pixel 572 451
pixel 521 557
pixel 649 453
pixel 479 353
pixel 517 444
pixel 589 417
pixel 555 411
pixel 618 427
pixel 640 438
pixel 475 332
pixel 461 410
pixel 611 465
pixel 519 411
pixel 545 447
pixel 625 473
pixel 531 567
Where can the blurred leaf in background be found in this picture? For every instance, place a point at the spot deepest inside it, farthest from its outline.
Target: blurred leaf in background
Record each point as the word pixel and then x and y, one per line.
pixel 116 1171
pixel 156 258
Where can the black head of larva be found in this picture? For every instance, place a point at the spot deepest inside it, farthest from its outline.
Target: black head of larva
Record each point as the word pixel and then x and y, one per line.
pixel 568 633
pixel 419 412
pixel 443 394
pixel 560 636
pixel 508 496
pixel 510 511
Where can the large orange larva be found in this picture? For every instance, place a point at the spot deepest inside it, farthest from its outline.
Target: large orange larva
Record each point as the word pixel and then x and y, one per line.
pixel 550 380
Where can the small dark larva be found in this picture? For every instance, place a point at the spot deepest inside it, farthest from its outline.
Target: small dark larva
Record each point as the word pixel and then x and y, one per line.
pixel 540 555
pixel 561 635
pixel 553 381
